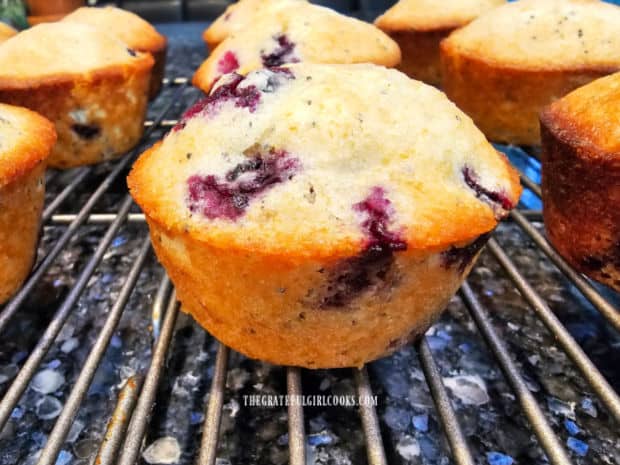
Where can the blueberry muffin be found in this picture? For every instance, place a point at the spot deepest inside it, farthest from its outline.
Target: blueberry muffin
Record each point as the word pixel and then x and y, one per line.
pixel 133 31
pixel 6 32
pixel 581 178
pixel 90 85
pixel 318 215
pixel 296 32
pixel 505 66
pixel 26 140
pixel 418 26
pixel 239 16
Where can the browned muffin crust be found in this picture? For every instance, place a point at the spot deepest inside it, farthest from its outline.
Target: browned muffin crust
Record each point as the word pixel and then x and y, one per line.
pixel 581 179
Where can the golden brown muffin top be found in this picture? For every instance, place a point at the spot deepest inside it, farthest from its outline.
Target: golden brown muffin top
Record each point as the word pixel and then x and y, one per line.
pixel 589 117
pixel 26 139
pixel 124 25
pixel 544 34
pixel 298 32
pixel 56 52
pixel 238 16
pixel 429 15
pixel 317 160
pixel 6 32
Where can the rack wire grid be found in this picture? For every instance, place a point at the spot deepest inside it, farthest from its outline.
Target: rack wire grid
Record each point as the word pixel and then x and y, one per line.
pixel 95 200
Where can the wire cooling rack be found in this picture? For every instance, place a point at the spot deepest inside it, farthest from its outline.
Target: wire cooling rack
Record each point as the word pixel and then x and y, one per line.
pixel 82 190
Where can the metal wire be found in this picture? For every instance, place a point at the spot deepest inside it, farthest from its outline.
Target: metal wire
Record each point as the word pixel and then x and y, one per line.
pixel 142 412
pixel 548 440
pixel 65 420
pixel 296 430
pixel 211 429
pixel 589 371
pixel 454 433
pixel 34 360
pixel 370 422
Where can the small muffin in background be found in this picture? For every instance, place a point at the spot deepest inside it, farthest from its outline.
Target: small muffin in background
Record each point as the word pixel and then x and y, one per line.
pixel 418 26
pixel 131 29
pixel 6 32
pixel 89 84
pixel 239 16
pixel 26 140
pixel 504 67
pixel 298 32
pixel 321 215
pixel 581 178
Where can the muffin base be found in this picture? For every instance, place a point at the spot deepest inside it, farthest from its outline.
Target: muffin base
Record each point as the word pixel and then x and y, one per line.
pixel 270 307
pixel 420 53
pixel 581 194
pixel 96 120
pixel 21 203
pixel 503 101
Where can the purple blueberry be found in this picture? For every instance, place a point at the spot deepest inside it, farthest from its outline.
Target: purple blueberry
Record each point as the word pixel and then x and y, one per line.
pixel 283 53
pixel 379 209
pixel 497 200
pixel 229 197
pixel 228 63
pixel 461 257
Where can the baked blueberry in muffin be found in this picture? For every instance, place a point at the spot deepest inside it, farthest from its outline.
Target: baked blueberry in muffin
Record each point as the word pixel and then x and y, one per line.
pixel 90 85
pixel 321 215
pixel 418 26
pixel 131 29
pixel 26 140
pixel 504 67
pixel 293 32
pixel 239 16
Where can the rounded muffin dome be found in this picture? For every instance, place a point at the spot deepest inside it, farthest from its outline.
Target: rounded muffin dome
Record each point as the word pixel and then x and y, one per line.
pixel 328 137
pixel 336 203
pixel 541 34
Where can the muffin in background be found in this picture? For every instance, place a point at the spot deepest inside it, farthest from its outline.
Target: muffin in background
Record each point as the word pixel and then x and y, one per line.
pixel 89 84
pixel 239 16
pixel 581 178
pixel 504 67
pixel 6 32
pixel 298 32
pixel 321 215
pixel 131 29
pixel 418 26
pixel 26 140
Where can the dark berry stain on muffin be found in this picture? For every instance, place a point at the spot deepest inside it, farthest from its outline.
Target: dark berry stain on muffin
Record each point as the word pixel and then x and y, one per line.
pixel 461 257
pixel 243 96
pixel 494 198
pixel 372 268
pixel 283 53
pixel 228 198
pixel 378 210
pixel 228 63
pixel 86 131
pixel 132 52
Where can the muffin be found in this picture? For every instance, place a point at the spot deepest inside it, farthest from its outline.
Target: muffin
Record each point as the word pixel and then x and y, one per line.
pixel 26 140
pixel 581 178
pixel 6 32
pixel 298 32
pixel 419 25
pixel 317 215
pixel 508 64
pixel 133 31
pixel 90 85
pixel 238 17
